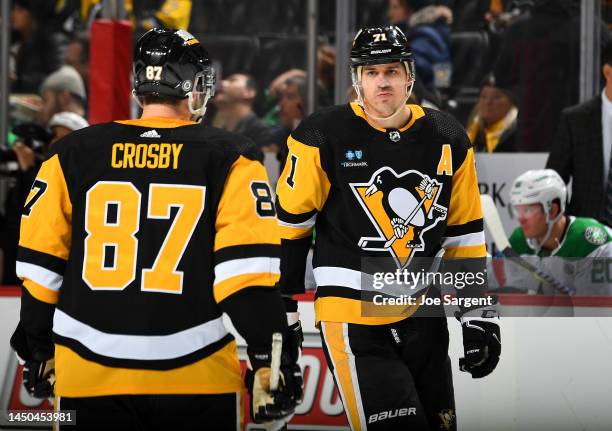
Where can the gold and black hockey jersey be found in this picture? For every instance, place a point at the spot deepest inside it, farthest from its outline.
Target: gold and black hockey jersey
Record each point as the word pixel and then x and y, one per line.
pixel 138 230
pixel 372 193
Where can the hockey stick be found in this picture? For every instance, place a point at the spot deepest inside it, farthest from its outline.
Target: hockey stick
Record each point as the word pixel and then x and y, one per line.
pixel 275 361
pixel 496 229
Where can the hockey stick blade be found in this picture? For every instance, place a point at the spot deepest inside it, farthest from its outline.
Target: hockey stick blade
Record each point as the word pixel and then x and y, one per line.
pixel 496 229
pixel 493 222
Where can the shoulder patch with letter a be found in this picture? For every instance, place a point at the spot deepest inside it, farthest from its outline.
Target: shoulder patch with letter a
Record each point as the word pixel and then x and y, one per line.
pixel 445 165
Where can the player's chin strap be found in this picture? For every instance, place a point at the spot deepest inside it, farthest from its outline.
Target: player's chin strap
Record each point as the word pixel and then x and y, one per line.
pixel 537 245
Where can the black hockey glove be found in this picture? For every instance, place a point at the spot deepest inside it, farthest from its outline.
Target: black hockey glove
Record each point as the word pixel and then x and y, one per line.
pixel 39 378
pixel 274 407
pixel 38 369
pixel 295 336
pixel 481 343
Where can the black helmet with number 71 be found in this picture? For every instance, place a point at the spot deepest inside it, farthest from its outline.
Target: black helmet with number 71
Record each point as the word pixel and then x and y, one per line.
pixel 380 45
pixel 173 63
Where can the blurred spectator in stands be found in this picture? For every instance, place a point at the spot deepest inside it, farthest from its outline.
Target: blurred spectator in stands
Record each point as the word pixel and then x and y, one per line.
pixel 538 63
pixel 234 101
pixel 65 122
pixel 292 105
pixel 146 14
pixel 77 56
pixel 29 161
pixel 289 89
pixel 292 102
pixel 499 17
pixel 37 48
pixel 428 31
pixel 326 68
pixel 494 15
pixel 492 127
pixel 398 14
pixel 273 94
pixel 582 148
pixel 149 14
pixel 63 90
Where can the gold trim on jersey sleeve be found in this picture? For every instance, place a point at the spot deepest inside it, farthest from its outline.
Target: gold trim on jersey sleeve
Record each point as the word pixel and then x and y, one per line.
pixel 47 228
pixel 466 251
pixel 41 292
pixel 464 203
pixel 302 190
pixel 79 377
pixel 238 221
pixel 236 283
pixel 245 216
pixel 467 245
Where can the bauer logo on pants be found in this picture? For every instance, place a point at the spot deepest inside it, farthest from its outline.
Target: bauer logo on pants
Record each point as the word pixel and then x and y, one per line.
pixel 401 207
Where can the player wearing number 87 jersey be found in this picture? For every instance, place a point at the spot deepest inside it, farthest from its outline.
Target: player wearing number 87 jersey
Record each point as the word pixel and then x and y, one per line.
pixel 136 237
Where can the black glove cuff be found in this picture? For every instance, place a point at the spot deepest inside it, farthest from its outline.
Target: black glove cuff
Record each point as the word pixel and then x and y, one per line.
pixel 291 305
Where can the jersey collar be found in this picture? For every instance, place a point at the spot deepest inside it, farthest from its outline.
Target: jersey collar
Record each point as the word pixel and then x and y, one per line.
pixel 416 110
pixel 159 122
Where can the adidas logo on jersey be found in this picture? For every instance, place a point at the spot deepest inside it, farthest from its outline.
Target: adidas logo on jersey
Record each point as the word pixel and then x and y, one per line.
pixel 150 134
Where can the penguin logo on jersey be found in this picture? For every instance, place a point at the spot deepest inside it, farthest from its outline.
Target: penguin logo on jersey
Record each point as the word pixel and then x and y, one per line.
pixel 447 419
pixel 401 207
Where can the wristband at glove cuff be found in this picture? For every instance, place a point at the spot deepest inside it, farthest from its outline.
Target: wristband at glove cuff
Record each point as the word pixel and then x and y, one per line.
pixel 293 318
pixel 477 314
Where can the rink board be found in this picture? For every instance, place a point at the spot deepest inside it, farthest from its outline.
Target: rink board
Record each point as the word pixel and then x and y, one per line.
pixel 555 372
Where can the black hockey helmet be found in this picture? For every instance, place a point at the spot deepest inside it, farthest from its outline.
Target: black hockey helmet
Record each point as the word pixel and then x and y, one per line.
pixel 379 45
pixel 171 63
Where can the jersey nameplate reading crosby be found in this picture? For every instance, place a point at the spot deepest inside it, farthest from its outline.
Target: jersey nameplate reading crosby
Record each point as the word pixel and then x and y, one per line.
pixel 152 156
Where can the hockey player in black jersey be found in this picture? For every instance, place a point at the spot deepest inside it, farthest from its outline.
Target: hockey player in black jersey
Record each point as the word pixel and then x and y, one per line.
pixel 136 237
pixel 379 178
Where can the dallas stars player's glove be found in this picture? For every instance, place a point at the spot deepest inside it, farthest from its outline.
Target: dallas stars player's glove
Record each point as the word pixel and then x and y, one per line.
pixel 274 380
pixel 38 367
pixel 481 342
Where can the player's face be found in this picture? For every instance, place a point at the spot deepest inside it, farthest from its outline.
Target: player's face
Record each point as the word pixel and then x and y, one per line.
pixel 384 88
pixel 532 219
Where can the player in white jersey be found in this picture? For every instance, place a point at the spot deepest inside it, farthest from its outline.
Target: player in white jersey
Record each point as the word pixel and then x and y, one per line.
pixel 576 251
